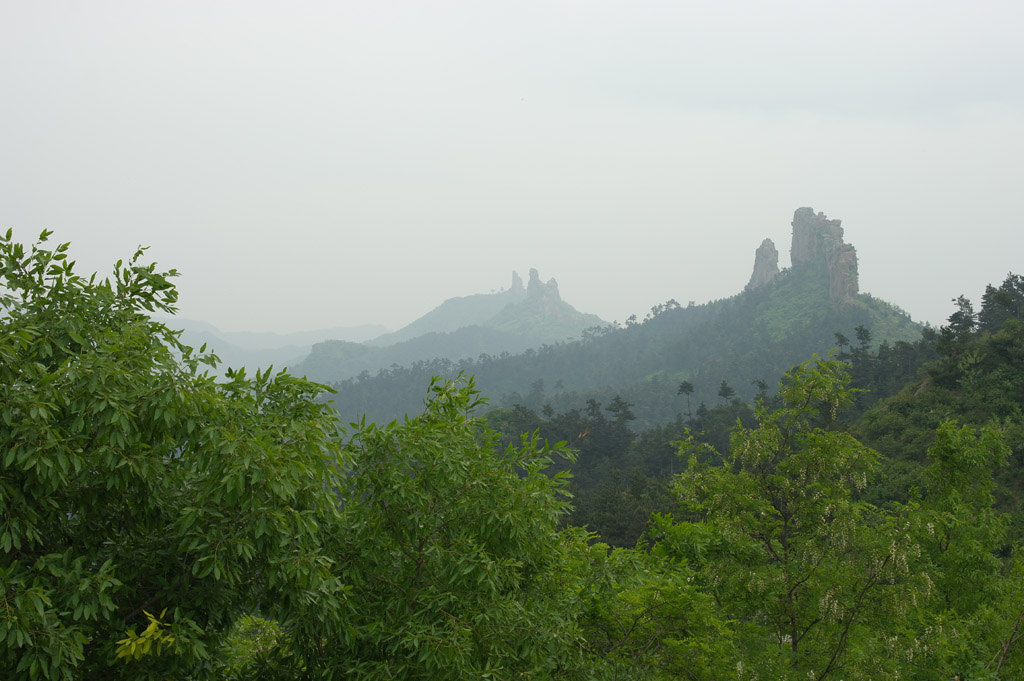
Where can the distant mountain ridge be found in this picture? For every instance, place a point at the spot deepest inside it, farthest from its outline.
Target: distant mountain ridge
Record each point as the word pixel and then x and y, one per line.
pixel 781 318
pixel 509 321
pixel 255 350
pixel 456 313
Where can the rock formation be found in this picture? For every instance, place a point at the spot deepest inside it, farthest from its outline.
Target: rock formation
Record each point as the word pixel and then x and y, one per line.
pixel 537 289
pixel 843 283
pixel 817 245
pixel 810 234
pixel 818 242
pixel 766 265
pixel 517 283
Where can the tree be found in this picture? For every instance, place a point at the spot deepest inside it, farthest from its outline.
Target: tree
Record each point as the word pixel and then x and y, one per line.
pixel 974 601
pixel 453 554
pixel 964 321
pixel 762 388
pixel 810 575
pixel 962 530
pixel 863 335
pixel 1003 303
pixel 726 392
pixel 841 341
pixel 644 616
pixel 621 409
pixel 135 489
pixel 686 388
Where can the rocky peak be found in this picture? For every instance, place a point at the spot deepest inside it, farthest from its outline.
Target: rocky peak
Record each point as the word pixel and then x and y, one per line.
pixel 517 283
pixel 537 289
pixel 811 233
pixel 817 245
pixel 766 265
pixel 818 242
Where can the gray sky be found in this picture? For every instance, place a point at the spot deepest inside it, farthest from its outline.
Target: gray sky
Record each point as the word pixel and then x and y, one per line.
pixel 316 164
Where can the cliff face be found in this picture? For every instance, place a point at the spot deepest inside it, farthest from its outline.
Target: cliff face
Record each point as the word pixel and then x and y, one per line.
pixel 818 242
pixel 538 289
pixel 817 245
pixel 517 285
pixel 766 264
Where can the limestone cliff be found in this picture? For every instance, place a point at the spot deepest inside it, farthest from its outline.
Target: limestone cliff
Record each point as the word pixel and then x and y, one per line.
pixel 818 243
pixel 766 265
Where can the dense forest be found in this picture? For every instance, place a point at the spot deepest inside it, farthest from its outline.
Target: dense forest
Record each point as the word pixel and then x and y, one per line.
pixel 853 515
pixel 745 340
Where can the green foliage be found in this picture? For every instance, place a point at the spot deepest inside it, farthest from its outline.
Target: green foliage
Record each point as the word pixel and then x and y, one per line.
pixel 130 482
pixel 976 376
pixel 646 617
pixel 800 297
pixel 620 478
pixel 152 641
pixel 618 510
pixel 755 335
pixel 999 305
pixel 256 649
pixel 881 372
pixel 961 534
pixel 453 554
pixel 810 575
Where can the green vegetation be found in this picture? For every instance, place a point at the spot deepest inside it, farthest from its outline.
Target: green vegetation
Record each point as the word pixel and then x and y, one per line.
pixel 754 336
pixel 798 298
pixel 811 576
pixel 133 484
pixel 158 522
pixel 473 326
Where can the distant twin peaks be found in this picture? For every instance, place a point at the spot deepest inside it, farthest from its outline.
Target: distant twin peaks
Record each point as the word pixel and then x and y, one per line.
pixel 517 309
pixel 514 320
pixel 535 288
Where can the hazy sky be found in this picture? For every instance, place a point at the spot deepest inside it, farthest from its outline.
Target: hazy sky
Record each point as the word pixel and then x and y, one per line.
pixel 316 164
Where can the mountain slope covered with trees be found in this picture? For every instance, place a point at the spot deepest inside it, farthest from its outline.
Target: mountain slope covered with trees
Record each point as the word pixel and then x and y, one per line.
pixel 779 320
pixel 498 323
pixel 159 522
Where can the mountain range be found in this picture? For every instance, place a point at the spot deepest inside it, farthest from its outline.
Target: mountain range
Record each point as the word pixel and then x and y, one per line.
pixel 743 342
pixel 510 321
pixel 254 350
pixel 527 346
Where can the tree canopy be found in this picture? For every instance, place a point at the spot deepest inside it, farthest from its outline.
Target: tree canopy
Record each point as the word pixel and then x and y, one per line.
pixel 133 483
pixel 159 522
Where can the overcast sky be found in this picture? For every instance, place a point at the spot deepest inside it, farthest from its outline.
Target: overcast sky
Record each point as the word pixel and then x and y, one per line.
pixel 316 164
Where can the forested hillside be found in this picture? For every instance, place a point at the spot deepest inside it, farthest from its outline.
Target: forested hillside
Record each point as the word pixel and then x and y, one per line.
pixel 976 376
pixel 457 313
pixel 779 320
pixel 510 321
pixel 159 522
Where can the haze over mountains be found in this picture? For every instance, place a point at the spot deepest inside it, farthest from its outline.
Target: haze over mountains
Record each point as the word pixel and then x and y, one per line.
pixel 510 320
pixel 525 345
pixel 781 318
pixel 261 350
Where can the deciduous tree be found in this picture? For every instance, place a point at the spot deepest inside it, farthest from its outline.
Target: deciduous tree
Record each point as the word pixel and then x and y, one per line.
pixel 132 484
pixel 809 574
